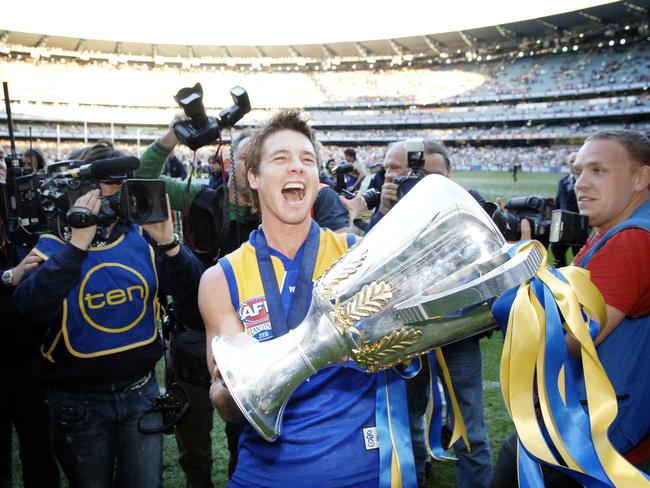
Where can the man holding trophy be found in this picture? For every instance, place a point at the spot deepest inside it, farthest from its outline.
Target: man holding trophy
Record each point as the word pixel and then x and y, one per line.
pixel 272 276
pixel 392 297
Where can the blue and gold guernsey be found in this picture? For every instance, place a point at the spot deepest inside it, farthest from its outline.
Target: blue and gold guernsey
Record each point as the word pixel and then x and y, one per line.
pixel 322 441
pixel 113 307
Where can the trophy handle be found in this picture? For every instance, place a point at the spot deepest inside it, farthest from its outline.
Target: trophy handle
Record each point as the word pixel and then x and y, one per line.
pixel 428 307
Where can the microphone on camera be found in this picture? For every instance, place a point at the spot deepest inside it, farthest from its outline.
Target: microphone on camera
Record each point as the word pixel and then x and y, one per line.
pixel 113 168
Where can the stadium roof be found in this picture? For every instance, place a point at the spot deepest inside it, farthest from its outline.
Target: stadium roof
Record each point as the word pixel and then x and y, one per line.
pixel 336 28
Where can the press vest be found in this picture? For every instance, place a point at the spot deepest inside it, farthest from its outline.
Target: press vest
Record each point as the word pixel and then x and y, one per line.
pixel 625 355
pixel 113 306
pixel 322 441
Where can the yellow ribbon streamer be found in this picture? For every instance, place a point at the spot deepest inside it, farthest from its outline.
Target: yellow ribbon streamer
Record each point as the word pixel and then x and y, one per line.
pixel 459 424
pixel 523 358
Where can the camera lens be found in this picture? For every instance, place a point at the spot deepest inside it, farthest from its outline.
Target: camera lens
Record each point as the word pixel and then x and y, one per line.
pixel 139 202
pixel 191 101
pixel 372 198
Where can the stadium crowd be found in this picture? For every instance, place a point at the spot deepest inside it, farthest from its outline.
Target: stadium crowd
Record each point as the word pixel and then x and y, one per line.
pixel 78 83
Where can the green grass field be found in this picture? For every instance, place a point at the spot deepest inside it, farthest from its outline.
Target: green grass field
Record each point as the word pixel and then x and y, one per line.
pixel 491 186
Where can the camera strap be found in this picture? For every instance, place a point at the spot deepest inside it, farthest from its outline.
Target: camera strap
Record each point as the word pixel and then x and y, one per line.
pixel 186 208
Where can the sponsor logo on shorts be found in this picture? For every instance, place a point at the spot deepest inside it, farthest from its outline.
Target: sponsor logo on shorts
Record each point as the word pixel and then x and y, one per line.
pixel 370 438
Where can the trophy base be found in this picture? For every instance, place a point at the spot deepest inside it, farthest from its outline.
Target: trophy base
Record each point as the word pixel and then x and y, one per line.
pixel 262 376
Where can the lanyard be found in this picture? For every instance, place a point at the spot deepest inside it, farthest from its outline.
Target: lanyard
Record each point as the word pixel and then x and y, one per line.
pixel 302 298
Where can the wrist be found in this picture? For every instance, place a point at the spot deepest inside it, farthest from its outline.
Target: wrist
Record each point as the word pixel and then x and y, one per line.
pixel 169 140
pixel 8 277
pixel 170 248
pixel 79 243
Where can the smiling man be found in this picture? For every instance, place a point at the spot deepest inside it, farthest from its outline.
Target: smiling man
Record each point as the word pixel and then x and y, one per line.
pixel 269 282
pixel 613 190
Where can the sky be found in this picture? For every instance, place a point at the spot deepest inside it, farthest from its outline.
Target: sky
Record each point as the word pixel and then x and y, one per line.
pixel 266 22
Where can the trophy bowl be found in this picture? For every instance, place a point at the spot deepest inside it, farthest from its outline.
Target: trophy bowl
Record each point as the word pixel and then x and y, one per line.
pixel 423 277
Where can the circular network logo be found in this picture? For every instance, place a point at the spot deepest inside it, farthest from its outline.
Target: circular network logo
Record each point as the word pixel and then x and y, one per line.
pixel 113 297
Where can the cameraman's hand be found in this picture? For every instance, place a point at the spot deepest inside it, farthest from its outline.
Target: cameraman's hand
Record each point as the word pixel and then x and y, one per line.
pixel 82 238
pixel 169 140
pixel 526 231
pixel 163 232
pixel 354 206
pixel 388 196
pixel 29 262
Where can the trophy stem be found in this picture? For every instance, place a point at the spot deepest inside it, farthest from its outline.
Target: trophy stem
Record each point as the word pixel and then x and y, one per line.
pixel 261 377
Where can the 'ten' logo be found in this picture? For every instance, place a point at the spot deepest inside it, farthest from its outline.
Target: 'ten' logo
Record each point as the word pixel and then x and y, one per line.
pixel 117 309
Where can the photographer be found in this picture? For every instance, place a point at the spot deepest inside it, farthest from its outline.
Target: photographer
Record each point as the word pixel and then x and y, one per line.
pixel 565 200
pixel 34 158
pixel 219 221
pixel 22 403
pixel 473 468
pixel 613 190
pixel 357 181
pixel 94 299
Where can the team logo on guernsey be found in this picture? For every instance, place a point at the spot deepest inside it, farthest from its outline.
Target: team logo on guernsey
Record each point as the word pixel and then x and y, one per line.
pixel 254 313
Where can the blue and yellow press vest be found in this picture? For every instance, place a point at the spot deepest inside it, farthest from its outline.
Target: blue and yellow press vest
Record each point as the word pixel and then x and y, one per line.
pixel 114 305
pixel 322 441
pixel 625 355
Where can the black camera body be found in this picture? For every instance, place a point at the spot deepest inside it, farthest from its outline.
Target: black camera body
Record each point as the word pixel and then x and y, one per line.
pixel 339 172
pixel 43 202
pixel 202 130
pixel 537 210
pixel 371 196
pixel 138 200
pixel 415 162
pixel 569 228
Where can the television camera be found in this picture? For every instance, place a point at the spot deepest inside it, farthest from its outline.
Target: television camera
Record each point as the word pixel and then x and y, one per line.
pixel 43 202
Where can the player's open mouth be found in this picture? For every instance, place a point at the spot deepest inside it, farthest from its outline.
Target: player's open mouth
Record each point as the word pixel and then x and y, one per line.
pixel 293 192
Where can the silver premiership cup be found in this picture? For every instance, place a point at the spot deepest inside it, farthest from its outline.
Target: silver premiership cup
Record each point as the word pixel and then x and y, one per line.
pixel 423 277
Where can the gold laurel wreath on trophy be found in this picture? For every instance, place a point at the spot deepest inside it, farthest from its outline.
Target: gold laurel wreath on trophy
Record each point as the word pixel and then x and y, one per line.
pixel 326 284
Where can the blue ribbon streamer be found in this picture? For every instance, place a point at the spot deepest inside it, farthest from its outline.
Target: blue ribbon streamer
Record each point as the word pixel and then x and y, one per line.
pixel 411 370
pixel 571 420
pixel 529 471
pixel 393 425
pixel 435 427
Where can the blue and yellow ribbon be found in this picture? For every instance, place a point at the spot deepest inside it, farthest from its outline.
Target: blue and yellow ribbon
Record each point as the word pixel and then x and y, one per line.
pixel 396 463
pixel 539 316
pixel 434 418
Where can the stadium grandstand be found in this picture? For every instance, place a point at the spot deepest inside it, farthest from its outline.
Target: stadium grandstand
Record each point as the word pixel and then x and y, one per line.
pixel 523 92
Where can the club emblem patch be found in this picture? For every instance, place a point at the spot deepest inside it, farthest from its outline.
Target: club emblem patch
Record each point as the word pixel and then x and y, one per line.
pixel 254 314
